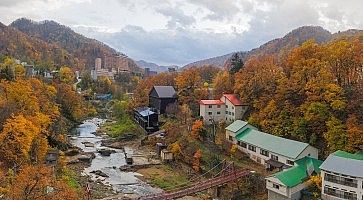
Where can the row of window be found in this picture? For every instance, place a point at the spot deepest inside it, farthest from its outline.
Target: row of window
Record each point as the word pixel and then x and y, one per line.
pixel 341 180
pixel 211 106
pixel 211 113
pixel 339 193
pixel 263 152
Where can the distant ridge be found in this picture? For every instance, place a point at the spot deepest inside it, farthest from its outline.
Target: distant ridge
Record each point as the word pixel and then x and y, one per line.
pixel 73 49
pixel 280 45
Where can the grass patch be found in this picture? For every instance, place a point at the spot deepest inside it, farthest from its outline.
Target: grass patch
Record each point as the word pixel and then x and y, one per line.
pixel 70 177
pixel 122 126
pixel 165 177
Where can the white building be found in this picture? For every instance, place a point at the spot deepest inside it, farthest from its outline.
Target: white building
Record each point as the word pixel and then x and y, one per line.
pixel 287 184
pixel 342 175
pixel 99 71
pixel 266 149
pixel 229 108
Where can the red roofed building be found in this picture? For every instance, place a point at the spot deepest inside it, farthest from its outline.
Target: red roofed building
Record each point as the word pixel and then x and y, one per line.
pixel 229 108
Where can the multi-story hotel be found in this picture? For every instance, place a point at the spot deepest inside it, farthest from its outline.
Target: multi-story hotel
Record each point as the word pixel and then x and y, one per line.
pixel 342 175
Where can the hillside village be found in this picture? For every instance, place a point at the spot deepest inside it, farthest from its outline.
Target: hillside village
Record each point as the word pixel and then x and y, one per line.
pixel 80 120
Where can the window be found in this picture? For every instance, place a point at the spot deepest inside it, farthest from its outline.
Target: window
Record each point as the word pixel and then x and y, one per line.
pixel 218 106
pixel 232 107
pixel 340 194
pixel 242 144
pixel 252 148
pixel 210 113
pixel 341 180
pixel 229 113
pixel 273 157
pixel 226 106
pixel 218 113
pixel 230 138
pixel 264 152
pixel 275 186
pixel 232 113
pixel 210 120
pixel 226 112
pixel 210 106
pixel 290 162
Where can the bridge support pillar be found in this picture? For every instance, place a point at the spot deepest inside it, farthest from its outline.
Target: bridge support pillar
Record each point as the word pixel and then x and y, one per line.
pixel 215 192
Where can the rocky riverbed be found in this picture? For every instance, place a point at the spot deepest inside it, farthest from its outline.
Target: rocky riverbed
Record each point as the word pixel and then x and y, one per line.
pixel 102 164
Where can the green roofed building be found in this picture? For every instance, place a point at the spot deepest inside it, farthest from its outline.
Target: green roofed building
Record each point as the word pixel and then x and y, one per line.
pixel 287 184
pixel 266 149
pixel 342 175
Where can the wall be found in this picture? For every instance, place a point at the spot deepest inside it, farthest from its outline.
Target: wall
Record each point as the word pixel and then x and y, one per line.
pixel 358 190
pixel 309 151
pixel 283 190
pixel 204 109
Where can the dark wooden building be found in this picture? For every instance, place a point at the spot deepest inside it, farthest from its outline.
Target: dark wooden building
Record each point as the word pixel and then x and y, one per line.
pixel 147 118
pixel 161 96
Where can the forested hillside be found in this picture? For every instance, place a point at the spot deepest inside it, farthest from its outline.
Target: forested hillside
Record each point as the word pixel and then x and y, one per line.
pixel 35 117
pixel 312 94
pixel 50 44
pixel 279 46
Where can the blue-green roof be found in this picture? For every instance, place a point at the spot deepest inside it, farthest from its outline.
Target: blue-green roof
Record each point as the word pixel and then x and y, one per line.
pixel 275 144
pixel 300 172
pixel 236 126
pixel 356 156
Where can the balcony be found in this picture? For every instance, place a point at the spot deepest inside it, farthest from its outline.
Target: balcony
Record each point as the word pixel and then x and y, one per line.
pixel 341 181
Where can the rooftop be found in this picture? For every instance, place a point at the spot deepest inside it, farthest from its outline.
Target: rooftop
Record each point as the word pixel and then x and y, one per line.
pixel 165 91
pixel 211 102
pixel 272 143
pixel 236 126
pixel 299 173
pixel 233 98
pixel 344 163
pixel 144 111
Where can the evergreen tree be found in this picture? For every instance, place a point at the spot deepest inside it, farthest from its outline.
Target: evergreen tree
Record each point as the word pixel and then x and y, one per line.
pixel 236 63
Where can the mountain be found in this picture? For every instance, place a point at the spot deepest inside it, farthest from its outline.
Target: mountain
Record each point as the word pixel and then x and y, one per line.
pixel 154 67
pixel 21 46
pixel 274 47
pixel 81 50
pixel 215 61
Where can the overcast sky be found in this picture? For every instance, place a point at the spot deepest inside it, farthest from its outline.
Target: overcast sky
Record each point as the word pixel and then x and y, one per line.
pixel 182 31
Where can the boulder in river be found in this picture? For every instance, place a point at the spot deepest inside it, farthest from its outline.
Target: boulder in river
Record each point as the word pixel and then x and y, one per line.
pixel 106 152
pixel 86 157
pixel 99 173
pixel 71 152
pixel 88 144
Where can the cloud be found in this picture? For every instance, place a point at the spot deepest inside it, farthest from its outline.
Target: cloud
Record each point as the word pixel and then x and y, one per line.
pixel 171 47
pixel 182 31
pixel 177 18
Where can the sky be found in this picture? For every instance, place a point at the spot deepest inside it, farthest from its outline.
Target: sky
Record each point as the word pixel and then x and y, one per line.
pixel 182 31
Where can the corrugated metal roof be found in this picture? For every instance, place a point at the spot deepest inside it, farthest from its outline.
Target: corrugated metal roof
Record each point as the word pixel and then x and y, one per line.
pixel 233 99
pixel 165 91
pixel 211 102
pixel 285 147
pixel 299 173
pixel 344 163
pixel 144 111
pixel 236 126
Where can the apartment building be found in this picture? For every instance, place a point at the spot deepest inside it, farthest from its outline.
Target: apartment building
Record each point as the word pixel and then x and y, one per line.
pixel 228 108
pixel 342 175
pixel 266 149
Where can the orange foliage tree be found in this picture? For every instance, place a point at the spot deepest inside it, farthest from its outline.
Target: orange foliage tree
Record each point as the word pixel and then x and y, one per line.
pixel 196 161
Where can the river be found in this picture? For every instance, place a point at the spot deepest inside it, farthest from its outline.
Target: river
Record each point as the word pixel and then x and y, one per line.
pixel 123 182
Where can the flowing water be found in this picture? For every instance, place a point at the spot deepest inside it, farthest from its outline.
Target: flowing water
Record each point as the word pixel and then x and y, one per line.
pixel 125 182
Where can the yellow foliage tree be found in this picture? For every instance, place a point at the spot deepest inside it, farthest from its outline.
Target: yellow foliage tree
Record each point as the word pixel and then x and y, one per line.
pixel 38 182
pixel 16 140
pixel 196 162
pixel 197 128
pixel 66 75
